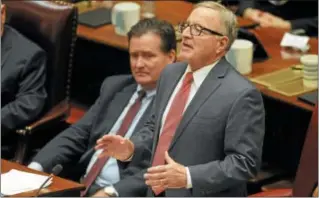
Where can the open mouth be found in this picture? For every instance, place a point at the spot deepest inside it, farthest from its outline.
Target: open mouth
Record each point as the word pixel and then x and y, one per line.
pixel 185 45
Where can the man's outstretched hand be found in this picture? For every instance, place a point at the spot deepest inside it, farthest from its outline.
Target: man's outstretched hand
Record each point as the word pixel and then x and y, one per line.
pixel 115 146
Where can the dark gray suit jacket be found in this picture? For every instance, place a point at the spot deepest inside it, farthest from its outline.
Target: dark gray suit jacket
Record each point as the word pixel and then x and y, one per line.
pixel 220 136
pixel 74 147
pixel 23 77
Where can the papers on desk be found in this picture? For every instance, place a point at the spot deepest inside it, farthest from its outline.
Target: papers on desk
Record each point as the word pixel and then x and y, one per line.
pixel 295 41
pixel 14 182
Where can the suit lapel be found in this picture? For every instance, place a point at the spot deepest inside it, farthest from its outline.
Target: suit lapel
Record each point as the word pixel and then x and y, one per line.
pixel 6 45
pixel 120 101
pixel 208 87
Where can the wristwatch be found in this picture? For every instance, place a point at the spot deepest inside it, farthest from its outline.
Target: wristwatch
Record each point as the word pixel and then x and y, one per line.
pixel 110 191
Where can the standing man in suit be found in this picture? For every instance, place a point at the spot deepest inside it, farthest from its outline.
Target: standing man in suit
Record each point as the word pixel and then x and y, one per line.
pixel 282 14
pixel 122 108
pixel 23 77
pixel 206 133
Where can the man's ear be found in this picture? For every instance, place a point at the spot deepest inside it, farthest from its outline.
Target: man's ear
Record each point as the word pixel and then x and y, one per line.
pixel 223 44
pixel 3 16
pixel 3 13
pixel 172 56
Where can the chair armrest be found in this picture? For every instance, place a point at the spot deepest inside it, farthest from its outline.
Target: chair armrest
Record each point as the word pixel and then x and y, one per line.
pixel 58 112
pixel 286 192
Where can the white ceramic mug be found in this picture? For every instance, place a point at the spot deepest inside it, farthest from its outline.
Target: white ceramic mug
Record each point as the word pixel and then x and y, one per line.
pixel 240 55
pixel 310 70
pixel 124 16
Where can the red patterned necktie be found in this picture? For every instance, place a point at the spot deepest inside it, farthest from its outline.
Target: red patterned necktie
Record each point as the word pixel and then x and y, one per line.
pixel 100 162
pixel 172 121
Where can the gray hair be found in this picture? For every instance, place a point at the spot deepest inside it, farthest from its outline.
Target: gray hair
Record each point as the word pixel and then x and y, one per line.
pixel 227 17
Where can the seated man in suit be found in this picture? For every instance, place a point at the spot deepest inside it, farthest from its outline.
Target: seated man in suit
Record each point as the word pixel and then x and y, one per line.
pixel 282 14
pixel 122 108
pixel 23 77
pixel 206 134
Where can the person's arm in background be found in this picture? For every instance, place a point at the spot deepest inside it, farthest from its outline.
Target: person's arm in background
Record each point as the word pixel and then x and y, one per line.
pixel 31 96
pixel 309 25
pixel 246 9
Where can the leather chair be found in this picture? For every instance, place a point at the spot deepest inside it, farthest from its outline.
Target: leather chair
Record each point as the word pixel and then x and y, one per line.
pixel 306 180
pixel 52 25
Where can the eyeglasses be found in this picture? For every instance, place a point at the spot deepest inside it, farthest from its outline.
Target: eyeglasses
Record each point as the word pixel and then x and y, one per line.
pixel 196 29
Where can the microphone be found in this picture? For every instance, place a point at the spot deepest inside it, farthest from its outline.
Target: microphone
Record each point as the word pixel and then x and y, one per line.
pixel 55 171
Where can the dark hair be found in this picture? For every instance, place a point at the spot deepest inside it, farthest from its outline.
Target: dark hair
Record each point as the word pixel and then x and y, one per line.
pixel 162 28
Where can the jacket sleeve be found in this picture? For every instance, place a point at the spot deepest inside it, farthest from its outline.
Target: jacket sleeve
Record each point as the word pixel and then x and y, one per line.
pixel 70 144
pixel 244 133
pixel 310 25
pixel 31 95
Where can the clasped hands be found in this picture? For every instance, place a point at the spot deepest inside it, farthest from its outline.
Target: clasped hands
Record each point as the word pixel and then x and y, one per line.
pixel 170 175
pixel 266 19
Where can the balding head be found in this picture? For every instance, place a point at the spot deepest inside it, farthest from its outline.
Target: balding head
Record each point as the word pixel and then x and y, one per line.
pixel 228 20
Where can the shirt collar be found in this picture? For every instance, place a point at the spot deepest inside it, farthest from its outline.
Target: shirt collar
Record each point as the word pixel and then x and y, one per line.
pixel 200 74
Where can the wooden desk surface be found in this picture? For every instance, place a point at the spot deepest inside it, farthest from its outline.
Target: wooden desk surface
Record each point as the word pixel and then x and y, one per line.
pixel 270 39
pixel 58 184
pixel 167 10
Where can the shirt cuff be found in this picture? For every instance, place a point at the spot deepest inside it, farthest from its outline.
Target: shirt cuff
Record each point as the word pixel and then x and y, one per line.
pixel 189 179
pixel 35 166
pixel 111 191
pixel 129 159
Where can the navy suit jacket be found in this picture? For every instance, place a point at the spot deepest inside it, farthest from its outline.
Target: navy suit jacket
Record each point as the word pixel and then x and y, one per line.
pixel 74 147
pixel 23 78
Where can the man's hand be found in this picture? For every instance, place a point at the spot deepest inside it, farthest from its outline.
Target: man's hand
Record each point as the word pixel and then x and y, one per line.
pixel 252 14
pixel 115 146
pixel 266 19
pixel 269 20
pixel 171 175
pixel 100 193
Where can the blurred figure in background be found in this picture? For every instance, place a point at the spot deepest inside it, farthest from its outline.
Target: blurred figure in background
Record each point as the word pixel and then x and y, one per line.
pixel 283 14
pixel 23 77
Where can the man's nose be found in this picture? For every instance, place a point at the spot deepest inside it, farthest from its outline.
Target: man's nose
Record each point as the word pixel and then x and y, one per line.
pixel 187 33
pixel 139 62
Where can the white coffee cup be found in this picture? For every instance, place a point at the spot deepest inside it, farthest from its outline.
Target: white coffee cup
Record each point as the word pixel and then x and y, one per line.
pixel 309 60
pixel 310 70
pixel 240 55
pixel 124 16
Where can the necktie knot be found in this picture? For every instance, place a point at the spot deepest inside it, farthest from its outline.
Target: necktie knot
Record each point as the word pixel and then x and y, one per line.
pixel 141 94
pixel 188 78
